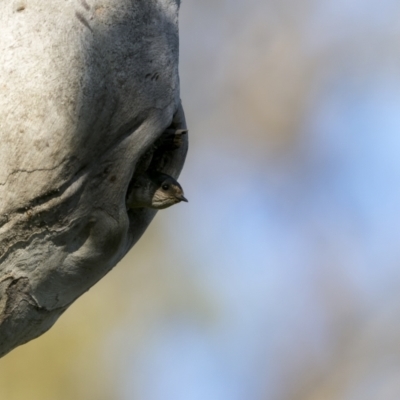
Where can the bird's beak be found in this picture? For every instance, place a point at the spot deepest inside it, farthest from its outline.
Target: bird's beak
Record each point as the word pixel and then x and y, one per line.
pixel 183 198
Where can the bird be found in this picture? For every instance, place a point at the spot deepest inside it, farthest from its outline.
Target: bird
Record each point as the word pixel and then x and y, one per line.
pixel 154 190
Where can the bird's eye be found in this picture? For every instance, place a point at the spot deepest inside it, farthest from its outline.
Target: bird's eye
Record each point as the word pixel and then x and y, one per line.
pixel 165 187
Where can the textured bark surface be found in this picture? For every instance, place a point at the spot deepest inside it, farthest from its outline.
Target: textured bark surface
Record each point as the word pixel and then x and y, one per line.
pixel 85 88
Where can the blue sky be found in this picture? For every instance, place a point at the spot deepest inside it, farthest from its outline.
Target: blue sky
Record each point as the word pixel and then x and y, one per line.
pixel 269 239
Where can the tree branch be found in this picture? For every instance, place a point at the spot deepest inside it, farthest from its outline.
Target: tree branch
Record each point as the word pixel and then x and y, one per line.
pixel 87 87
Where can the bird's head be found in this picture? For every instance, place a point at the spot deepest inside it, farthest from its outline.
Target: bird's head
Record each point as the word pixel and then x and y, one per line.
pixel 168 192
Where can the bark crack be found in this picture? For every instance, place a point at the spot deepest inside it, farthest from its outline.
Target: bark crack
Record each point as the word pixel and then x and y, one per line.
pixel 26 171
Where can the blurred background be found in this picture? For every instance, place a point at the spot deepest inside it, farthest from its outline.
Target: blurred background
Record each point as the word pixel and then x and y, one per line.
pixel 280 278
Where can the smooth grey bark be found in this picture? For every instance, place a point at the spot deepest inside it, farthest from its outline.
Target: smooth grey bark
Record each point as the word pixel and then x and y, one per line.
pixel 86 87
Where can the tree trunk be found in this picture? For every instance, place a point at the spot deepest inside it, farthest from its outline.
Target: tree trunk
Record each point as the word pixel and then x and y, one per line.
pixel 86 87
